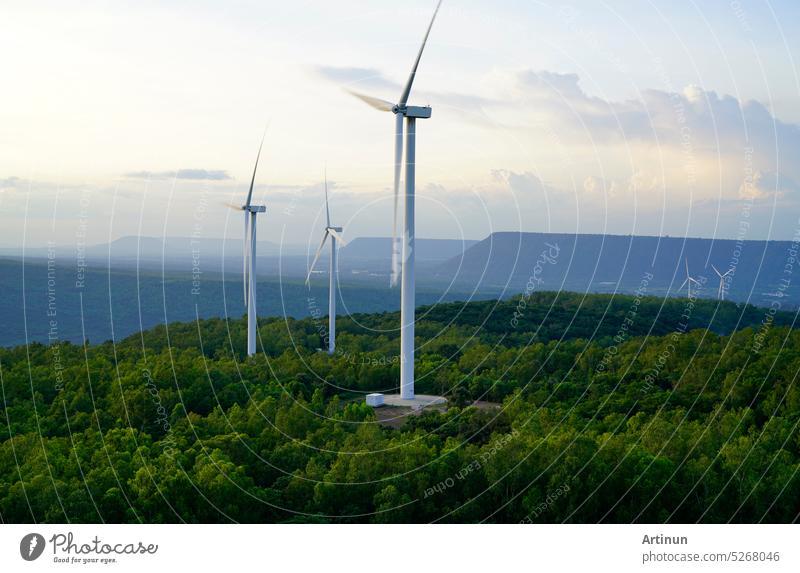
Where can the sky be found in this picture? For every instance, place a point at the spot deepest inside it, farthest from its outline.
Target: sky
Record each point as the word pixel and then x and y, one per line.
pixel 632 117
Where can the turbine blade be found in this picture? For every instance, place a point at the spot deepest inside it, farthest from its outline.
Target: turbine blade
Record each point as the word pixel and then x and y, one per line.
pixel 246 254
pixel 232 206
pixel 327 209
pixel 316 257
pixel 407 89
pixel 687 266
pixel 377 103
pixel 258 156
pixel 337 236
pixel 716 271
pixel 398 164
pixel 683 285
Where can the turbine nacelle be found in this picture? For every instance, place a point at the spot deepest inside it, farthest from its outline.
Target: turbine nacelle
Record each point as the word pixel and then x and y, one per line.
pixel 254 208
pixel 413 111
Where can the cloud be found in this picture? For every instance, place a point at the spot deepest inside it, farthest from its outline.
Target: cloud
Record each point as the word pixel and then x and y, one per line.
pixel 693 116
pixel 692 143
pixel 187 174
pixel 525 183
pixel 351 76
pixel 768 185
pixel 9 183
pixel 546 84
pixel 528 185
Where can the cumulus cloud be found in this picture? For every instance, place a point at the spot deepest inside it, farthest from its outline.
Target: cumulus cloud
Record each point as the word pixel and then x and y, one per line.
pixel 718 122
pixel 525 183
pixel 692 143
pixel 658 116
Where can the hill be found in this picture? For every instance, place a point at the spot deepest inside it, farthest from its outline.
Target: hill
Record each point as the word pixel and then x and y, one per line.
pixel 593 423
pixel 171 249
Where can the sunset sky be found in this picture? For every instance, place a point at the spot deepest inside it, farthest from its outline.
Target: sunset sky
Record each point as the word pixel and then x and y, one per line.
pixel 622 117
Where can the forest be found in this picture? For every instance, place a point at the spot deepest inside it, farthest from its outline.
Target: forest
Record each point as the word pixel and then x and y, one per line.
pixel 561 408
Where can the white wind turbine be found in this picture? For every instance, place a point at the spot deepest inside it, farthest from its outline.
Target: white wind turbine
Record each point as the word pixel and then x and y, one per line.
pixel 249 270
pixel 689 280
pixel 721 292
pixel 410 113
pixel 334 233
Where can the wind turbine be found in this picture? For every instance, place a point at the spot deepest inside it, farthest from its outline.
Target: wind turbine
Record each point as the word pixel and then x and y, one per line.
pixel 689 280
pixel 249 269
pixel 334 234
pixel 721 276
pixel 411 114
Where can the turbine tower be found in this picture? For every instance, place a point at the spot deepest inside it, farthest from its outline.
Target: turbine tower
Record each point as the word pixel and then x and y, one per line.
pixel 334 234
pixel 411 114
pixel 249 270
pixel 721 292
pixel 688 282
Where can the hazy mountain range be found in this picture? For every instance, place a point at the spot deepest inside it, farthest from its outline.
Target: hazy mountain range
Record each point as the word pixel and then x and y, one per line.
pixel 617 263
pixel 366 256
pixel 151 281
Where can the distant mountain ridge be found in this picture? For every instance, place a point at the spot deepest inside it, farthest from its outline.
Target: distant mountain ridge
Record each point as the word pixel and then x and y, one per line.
pixel 619 263
pixel 361 257
pixel 157 248
pixel 144 247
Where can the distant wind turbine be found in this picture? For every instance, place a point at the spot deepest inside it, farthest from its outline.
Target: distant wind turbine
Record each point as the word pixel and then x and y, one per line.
pixel 689 280
pixel 334 234
pixel 411 113
pixel 721 292
pixel 249 248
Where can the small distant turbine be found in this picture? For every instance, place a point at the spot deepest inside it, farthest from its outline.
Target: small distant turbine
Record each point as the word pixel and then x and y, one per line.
pixel 334 234
pixel 721 292
pixel 249 253
pixel 688 282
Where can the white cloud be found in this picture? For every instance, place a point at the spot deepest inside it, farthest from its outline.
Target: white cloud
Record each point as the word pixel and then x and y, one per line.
pixel 679 146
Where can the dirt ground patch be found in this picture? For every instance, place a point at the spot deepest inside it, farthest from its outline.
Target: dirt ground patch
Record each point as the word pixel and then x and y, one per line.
pixel 396 416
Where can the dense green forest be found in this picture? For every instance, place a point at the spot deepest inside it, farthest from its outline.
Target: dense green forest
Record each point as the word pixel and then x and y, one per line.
pixel 562 408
